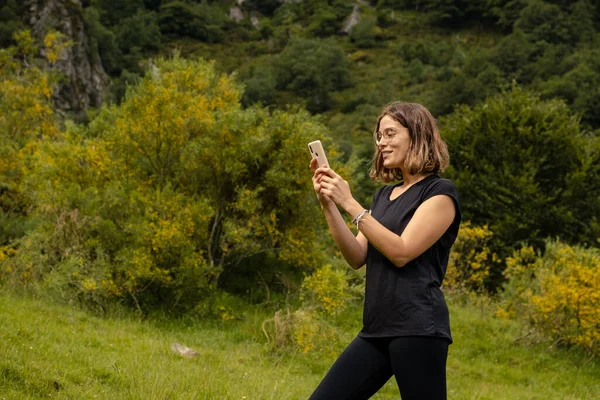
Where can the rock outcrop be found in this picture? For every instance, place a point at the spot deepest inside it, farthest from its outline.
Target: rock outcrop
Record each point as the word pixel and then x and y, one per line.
pixel 352 20
pixel 85 79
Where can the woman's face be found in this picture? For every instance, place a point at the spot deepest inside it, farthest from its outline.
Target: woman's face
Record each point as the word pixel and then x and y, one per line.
pixel 393 141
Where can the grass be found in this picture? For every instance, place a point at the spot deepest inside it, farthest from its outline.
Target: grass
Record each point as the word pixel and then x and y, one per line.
pixel 49 350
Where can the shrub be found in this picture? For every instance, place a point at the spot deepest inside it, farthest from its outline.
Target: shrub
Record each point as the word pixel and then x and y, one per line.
pixel 312 69
pixel 471 259
pixel 557 294
pixel 200 21
pixel 27 119
pixel 517 146
pixel 326 290
pixel 364 34
pixel 157 197
pixel 324 294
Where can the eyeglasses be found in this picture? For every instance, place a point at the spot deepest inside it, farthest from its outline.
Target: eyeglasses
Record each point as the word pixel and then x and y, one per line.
pixel 388 135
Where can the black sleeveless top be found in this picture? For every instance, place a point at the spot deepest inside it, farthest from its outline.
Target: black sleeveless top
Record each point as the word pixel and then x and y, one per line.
pixel 408 301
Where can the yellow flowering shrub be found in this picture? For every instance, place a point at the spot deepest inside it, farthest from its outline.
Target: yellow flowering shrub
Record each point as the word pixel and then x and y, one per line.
pixel 312 332
pixel 326 290
pixel 323 295
pixel 470 259
pixel 304 329
pixel 162 199
pixel 558 293
pixel 26 120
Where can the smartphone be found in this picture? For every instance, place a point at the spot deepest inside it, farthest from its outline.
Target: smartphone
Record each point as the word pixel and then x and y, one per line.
pixel 316 151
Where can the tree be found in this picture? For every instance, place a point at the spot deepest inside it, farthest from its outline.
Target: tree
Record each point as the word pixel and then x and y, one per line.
pixel 517 160
pixel 266 7
pixel 312 69
pixel 26 119
pixel 163 198
pixel 11 21
pixel 200 21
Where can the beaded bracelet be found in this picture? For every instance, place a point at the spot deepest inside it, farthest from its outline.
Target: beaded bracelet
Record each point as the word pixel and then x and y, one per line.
pixel 361 214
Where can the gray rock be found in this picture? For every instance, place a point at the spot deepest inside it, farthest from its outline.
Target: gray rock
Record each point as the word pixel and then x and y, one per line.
pixel 352 20
pixel 184 351
pixel 255 21
pixel 236 14
pixel 85 82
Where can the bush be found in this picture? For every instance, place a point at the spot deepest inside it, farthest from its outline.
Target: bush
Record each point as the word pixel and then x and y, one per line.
pixel 471 259
pixel 27 119
pixel 11 18
pixel 153 201
pixel 557 293
pixel 326 290
pixel 200 21
pixel 364 34
pixel 324 294
pixel 312 69
pixel 517 161
pixel 260 84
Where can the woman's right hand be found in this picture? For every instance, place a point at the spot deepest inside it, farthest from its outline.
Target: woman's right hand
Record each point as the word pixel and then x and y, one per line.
pixel 316 180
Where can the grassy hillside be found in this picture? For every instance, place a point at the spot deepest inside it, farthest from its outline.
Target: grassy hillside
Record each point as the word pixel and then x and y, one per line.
pixel 54 351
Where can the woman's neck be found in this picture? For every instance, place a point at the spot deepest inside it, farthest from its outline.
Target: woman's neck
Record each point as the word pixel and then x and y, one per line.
pixel 409 180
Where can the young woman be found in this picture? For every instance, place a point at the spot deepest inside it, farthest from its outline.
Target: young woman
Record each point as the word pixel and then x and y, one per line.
pixel 405 241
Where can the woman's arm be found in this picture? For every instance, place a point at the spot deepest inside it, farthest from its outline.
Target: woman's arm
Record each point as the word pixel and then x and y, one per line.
pixel 354 249
pixel 427 225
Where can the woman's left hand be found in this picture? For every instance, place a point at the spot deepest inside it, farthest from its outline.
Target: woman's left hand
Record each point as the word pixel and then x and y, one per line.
pixel 334 187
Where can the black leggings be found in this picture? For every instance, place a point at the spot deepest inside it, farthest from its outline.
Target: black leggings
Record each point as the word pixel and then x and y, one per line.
pixel 417 362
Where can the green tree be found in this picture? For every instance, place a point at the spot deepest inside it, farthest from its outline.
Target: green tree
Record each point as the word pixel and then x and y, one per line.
pixel 163 198
pixel 113 11
pixel 104 40
pixel 577 84
pixel 517 160
pixel 200 21
pixel 364 34
pixel 312 69
pixel 266 7
pixel 26 120
pixel 11 21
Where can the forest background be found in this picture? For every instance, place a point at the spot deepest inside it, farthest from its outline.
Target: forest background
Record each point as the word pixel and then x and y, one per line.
pixel 154 158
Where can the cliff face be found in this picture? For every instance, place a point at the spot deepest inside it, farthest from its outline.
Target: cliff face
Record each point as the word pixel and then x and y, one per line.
pixel 85 79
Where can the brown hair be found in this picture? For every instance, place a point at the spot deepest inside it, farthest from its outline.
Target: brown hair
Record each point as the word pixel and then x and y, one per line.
pixel 427 152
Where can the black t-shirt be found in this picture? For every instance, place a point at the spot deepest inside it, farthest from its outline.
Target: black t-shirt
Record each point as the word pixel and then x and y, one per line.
pixel 408 301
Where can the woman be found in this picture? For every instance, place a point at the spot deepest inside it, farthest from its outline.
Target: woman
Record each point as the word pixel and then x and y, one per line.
pixel 405 242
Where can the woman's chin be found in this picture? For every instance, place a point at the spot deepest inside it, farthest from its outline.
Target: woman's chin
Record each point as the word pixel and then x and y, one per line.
pixel 389 164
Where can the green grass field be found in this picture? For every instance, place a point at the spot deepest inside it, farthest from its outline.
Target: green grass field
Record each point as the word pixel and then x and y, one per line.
pixel 55 351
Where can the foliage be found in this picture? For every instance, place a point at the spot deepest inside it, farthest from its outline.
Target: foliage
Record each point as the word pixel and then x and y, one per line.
pixel 324 294
pixel 102 41
pixel 557 293
pixel 326 290
pixel 156 198
pixel 113 11
pixel 266 7
pixel 199 21
pixel 452 12
pixel 312 69
pixel 27 118
pixel 11 21
pixel 542 21
pixel 516 160
pixel 576 85
pixel 365 32
pixel 471 259
pixel 260 83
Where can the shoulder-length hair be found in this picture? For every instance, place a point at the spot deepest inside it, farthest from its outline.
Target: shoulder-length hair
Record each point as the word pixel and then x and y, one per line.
pixel 427 152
